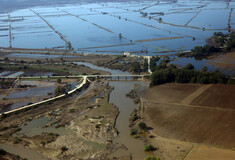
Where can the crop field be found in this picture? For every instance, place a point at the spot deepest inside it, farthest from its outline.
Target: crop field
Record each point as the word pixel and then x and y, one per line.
pixel 194 113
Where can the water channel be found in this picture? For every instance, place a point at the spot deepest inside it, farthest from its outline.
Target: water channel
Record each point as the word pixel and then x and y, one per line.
pixel 135 148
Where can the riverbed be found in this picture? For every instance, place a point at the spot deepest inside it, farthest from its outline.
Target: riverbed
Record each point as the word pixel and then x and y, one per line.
pixel 135 147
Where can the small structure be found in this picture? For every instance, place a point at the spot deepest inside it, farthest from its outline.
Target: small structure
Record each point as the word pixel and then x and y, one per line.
pixel 126 53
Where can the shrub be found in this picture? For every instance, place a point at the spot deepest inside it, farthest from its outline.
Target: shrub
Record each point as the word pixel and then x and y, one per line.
pixel 2 152
pixel 59 80
pixel 3 116
pixel 189 66
pixel 17 157
pixel 151 158
pixel 149 148
pixel 17 140
pixel 134 132
pixel 143 126
pixel 71 110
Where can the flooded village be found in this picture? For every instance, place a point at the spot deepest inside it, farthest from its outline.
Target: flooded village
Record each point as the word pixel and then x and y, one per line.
pixel 117 80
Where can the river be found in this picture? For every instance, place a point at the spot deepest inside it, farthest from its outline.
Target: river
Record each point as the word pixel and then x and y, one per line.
pixel 126 106
pixel 22 152
pixel 135 147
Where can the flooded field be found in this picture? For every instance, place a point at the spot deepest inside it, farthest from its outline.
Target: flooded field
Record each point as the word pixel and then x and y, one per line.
pixel 28 92
pixel 37 127
pixel 111 28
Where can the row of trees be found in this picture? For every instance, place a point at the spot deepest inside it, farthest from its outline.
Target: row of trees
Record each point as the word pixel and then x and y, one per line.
pixel 231 42
pixel 219 43
pixel 201 51
pixel 187 75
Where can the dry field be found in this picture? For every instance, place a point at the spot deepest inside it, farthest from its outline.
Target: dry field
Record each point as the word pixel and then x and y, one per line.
pixel 225 62
pixel 201 115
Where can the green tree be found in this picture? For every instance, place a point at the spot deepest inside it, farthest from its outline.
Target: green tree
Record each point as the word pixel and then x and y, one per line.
pixel 189 66
pixel 135 67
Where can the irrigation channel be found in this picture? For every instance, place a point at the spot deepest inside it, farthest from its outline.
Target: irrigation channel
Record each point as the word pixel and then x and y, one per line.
pixel 133 147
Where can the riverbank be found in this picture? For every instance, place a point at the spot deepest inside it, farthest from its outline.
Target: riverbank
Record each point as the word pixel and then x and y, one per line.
pixel 90 124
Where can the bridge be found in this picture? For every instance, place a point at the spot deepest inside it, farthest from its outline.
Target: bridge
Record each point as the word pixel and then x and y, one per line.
pixel 84 79
pixel 79 76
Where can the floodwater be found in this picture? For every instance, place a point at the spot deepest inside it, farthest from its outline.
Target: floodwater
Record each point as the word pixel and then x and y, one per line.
pixel 95 27
pixel 111 71
pixel 22 55
pixel 32 92
pixel 22 152
pixel 126 106
pixel 135 147
pixel 36 127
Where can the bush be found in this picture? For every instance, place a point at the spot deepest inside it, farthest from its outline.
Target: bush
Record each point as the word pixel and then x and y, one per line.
pixel 149 148
pixel 152 158
pixel 17 140
pixel 143 126
pixel 189 66
pixel 134 132
pixel 17 157
pixel 2 152
pixel 3 116
pixel 59 80
pixel 71 110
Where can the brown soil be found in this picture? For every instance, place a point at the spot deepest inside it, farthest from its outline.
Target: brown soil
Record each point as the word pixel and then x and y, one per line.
pixel 217 96
pixel 206 153
pixel 192 113
pixel 169 93
pixel 225 62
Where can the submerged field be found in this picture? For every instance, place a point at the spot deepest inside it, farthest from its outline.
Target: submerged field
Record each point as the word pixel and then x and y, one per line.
pixel 139 27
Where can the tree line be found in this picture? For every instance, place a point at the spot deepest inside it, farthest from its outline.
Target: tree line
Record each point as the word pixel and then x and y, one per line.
pixel 221 43
pixel 171 74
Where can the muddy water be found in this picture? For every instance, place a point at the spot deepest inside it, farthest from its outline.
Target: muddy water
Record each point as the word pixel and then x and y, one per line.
pixel 24 153
pixel 126 106
pixel 135 148
pixel 112 71
pixel 35 127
